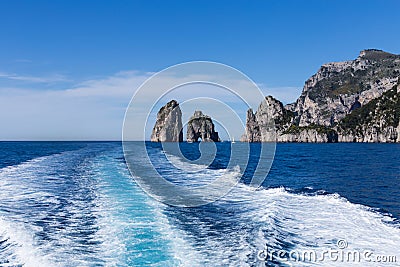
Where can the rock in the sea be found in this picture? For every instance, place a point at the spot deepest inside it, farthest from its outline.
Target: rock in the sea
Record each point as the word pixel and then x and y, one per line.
pixel 201 126
pixel 253 133
pixel 270 119
pixel 168 127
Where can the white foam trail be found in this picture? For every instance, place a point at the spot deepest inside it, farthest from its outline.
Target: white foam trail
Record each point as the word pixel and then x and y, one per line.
pixel 197 175
pixel 29 197
pixel 119 224
pixel 280 219
pixel 186 166
pixel 184 253
pixel 22 245
pixel 315 222
pixel 273 217
pixel 116 227
pixel 18 235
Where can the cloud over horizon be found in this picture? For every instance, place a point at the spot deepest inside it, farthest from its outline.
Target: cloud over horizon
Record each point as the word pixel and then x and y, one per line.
pixel 89 110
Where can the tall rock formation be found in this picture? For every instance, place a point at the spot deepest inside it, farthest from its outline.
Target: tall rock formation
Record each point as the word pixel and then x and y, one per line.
pixel 168 127
pixel 252 133
pixel 351 101
pixel 201 126
pixel 270 118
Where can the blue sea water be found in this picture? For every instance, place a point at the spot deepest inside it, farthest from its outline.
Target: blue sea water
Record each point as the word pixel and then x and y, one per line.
pixel 76 204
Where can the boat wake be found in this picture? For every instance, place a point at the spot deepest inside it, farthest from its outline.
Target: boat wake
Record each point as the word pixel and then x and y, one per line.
pixel 82 208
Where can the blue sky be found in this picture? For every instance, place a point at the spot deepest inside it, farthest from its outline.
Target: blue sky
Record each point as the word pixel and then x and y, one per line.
pixel 105 49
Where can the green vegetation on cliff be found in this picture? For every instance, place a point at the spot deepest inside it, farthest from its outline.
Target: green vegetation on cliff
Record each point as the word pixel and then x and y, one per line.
pixel 384 111
pixel 294 129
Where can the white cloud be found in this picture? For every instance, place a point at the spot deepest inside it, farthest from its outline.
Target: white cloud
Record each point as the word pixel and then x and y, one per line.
pixel 121 84
pixel 34 79
pixel 90 110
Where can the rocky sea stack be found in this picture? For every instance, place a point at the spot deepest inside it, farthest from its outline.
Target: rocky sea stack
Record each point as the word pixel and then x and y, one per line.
pixel 351 101
pixel 201 126
pixel 168 127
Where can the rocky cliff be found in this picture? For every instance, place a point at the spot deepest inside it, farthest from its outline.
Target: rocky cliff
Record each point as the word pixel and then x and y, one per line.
pixel 377 121
pixel 269 121
pixel 272 113
pixel 351 101
pixel 168 127
pixel 201 126
pixel 329 95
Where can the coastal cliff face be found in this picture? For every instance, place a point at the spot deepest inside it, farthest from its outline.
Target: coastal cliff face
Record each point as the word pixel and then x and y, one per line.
pixel 377 121
pixel 398 132
pixel 329 95
pixel 308 136
pixel 352 101
pixel 201 126
pixel 168 127
pixel 258 126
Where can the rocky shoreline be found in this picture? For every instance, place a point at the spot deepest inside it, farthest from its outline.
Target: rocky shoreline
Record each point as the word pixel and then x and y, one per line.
pixel 352 101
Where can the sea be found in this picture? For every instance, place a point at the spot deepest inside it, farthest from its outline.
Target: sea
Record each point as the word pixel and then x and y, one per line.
pixel 77 204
